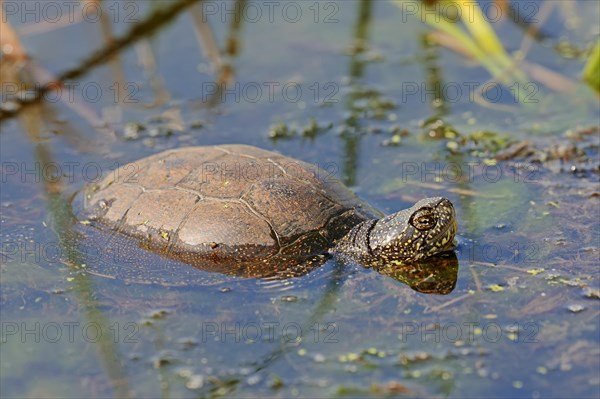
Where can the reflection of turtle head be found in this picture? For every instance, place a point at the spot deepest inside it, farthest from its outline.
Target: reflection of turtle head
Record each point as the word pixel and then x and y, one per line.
pixel 435 275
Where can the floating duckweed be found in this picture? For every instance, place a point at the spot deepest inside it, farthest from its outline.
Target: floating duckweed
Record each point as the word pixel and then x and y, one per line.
pixel 396 139
pixel 132 130
pixel 517 384
pixel 350 357
pixel 351 368
pixel 276 382
pixel 452 145
pixel 589 292
pixel 512 329
pixel 281 131
pixel 576 308
pixel 196 124
pixel 496 288
pixel 313 129
pixel 477 331
pixel 253 379
pixel 415 374
pixel 451 134
pixel 319 358
pixel 301 352
pixel 185 372
pixel 375 352
pixel 163 359
pixel 542 370
pixel 195 381
pixel 159 314
pixel 187 343
pixel 535 272
pixel 289 298
pixel 571 283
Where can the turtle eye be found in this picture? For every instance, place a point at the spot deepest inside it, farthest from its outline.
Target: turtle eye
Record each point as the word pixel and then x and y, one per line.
pixel 423 219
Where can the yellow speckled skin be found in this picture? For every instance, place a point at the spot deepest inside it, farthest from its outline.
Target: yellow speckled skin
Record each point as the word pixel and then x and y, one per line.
pixel 425 229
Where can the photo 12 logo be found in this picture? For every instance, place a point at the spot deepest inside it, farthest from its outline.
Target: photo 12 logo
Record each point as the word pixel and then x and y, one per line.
pixel 52 172
pixel 455 92
pixel 469 332
pixel 271 92
pixel 69 11
pixel 271 11
pixel 67 332
pixel 468 11
pixel 468 171
pixel 250 332
pixel 72 92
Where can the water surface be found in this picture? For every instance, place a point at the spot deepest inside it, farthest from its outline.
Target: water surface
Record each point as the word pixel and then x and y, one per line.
pixel 346 85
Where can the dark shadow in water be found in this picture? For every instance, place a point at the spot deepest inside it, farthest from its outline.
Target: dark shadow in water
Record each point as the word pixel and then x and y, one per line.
pixel 435 79
pixel 61 221
pixel 523 17
pixel 222 60
pixel 352 130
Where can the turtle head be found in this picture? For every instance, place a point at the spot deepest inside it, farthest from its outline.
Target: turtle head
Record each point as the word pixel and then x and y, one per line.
pixel 425 229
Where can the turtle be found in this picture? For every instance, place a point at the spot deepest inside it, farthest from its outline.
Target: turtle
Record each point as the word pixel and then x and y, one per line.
pixel 245 211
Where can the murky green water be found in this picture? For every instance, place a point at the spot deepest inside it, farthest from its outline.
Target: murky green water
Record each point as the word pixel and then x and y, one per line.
pixel 346 85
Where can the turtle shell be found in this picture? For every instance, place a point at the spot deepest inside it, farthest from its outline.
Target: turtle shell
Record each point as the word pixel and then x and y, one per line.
pixel 234 209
